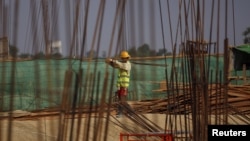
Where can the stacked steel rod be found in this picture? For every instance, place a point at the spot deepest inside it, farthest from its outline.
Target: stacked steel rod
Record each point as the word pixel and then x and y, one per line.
pixel 84 108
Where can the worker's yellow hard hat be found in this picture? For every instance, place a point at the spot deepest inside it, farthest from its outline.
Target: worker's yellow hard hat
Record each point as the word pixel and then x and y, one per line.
pixel 124 54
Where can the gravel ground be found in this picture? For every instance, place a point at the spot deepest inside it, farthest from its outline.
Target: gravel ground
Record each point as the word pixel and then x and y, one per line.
pixel 93 128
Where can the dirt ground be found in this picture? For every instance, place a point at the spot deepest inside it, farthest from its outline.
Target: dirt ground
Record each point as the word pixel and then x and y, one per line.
pixel 91 128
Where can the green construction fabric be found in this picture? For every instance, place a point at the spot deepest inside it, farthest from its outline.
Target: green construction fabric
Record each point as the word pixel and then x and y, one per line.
pixel 40 84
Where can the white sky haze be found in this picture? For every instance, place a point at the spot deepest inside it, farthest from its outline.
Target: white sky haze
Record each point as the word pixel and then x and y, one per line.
pixel 157 23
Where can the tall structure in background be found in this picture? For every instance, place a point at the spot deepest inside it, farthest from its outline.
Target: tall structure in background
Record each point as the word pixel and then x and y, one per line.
pixel 55 47
pixel 4 47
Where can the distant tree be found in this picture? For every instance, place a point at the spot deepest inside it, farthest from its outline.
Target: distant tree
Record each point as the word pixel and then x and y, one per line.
pixel 24 55
pixel 153 53
pixel 169 54
pixel 39 55
pixel 13 50
pixel 143 50
pixel 246 35
pixel 92 54
pixel 56 55
pixel 132 51
pixel 161 52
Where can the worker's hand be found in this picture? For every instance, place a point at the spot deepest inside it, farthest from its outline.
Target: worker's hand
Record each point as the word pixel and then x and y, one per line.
pixel 108 60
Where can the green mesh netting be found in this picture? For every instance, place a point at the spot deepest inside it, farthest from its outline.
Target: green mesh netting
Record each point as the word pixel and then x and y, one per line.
pixel 39 84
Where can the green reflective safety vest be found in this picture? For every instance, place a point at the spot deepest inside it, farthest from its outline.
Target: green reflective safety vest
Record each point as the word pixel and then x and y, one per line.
pixel 123 78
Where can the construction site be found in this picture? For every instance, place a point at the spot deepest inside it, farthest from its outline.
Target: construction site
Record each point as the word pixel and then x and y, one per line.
pixel 57 90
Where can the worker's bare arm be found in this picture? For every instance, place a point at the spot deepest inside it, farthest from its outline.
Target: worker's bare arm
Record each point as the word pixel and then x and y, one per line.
pixel 111 62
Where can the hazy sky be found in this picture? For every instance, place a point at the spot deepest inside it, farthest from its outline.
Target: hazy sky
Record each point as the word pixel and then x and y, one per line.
pixel 145 22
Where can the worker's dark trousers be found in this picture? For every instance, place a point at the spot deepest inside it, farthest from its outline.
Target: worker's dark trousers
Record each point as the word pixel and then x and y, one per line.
pixel 123 106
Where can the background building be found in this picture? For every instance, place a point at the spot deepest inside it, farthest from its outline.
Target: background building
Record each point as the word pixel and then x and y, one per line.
pixel 55 47
pixel 4 47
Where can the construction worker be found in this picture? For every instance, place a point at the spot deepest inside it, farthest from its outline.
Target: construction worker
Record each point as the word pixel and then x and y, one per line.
pixel 124 68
